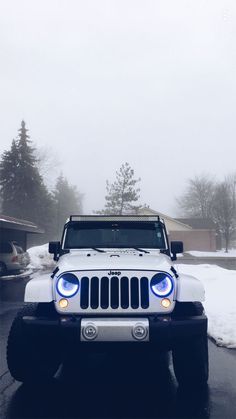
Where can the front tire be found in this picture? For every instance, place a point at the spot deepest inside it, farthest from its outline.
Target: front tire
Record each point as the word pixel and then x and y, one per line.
pixel 190 356
pixel 32 355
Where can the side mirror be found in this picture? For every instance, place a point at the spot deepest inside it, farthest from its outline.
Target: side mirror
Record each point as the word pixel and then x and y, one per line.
pixel 176 247
pixel 54 248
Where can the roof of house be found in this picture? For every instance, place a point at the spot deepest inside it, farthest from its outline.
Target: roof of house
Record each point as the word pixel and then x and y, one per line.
pixel 172 224
pixel 18 224
pixel 198 223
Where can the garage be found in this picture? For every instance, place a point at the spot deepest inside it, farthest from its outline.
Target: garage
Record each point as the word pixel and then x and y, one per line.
pixel 20 231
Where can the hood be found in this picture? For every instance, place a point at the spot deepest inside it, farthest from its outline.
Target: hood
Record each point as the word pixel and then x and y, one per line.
pixel 114 260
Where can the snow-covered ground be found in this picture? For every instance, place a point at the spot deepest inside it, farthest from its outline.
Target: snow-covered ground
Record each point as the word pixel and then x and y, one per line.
pixel 220 303
pixel 40 258
pixel 219 283
pixel 219 253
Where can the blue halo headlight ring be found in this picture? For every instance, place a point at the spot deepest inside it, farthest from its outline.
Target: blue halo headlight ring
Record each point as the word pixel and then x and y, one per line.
pixel 67 285
pixel 162 284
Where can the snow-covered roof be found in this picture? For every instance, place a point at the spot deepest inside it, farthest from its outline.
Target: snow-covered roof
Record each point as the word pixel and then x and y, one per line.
pixel 18 224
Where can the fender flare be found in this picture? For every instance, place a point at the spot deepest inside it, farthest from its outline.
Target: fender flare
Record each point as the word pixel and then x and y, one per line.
pixel 39 290
pixel 189 289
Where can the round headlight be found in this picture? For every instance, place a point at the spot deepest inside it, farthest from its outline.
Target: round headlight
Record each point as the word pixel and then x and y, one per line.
pixel 67 285
pixel 162 284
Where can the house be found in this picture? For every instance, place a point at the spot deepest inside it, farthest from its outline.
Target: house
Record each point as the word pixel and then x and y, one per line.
pixel 195 233
pixel 203 237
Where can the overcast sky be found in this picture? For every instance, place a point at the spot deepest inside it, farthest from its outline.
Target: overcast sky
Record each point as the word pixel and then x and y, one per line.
pixel 104 82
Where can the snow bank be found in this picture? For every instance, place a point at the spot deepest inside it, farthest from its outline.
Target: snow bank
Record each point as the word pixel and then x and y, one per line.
pixel 219 253
pixel 220 304
pixel 40 258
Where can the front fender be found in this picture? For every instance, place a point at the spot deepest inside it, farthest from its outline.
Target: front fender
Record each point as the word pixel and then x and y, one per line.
pixel 39 290
pixel 189 289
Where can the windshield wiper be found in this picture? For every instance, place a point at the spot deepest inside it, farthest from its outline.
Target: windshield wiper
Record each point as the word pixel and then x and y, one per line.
pixel 141 250
pixel 98 250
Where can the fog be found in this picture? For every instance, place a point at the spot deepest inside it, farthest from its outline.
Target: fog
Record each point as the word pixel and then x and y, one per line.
pixel 152 83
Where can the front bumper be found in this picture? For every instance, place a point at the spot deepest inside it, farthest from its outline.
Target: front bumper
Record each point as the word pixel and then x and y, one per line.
pixel 163 331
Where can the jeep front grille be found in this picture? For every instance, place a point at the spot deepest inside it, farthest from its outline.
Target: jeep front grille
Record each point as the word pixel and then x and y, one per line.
pixel 125 294
pixel 114 292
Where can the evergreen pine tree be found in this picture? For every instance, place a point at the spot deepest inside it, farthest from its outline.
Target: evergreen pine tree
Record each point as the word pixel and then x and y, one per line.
pixel 9 180
pixel 23 192
pixel 67 201
pixel 123 193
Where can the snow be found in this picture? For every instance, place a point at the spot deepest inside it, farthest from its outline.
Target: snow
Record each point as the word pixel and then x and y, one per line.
pixel 219 253
pixel 40 258
pixel 220 302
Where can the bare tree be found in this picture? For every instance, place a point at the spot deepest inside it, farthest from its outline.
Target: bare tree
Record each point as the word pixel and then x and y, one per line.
pixel 224 209
pixel 49 165
pixel 231 181
pixel 197 201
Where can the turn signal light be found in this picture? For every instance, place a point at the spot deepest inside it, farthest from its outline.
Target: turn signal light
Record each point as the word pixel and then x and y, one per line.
pixel 63 303
pixel 165 302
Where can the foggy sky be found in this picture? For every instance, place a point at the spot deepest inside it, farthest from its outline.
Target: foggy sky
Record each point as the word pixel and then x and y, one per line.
pixel 104 82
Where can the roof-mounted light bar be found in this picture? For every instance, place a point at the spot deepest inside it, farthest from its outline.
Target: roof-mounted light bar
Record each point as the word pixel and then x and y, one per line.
pixel 114 218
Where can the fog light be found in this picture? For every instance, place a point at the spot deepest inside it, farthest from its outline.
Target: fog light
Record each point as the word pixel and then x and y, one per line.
pixel 166 302
pixel 63 303
pixel 90 331
pixel 139 331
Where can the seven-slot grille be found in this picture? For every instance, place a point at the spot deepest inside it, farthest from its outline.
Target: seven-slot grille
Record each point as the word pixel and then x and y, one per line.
pixel 114 293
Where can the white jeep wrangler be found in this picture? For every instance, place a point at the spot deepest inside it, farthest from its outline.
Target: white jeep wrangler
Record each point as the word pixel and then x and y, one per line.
pixel 114 286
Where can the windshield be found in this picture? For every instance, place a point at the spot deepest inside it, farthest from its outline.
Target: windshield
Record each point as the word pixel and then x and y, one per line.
pixel 114 235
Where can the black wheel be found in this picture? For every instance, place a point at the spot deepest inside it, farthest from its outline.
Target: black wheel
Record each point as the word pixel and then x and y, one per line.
pixel 3 269
pixel 190 356
pixel 33 355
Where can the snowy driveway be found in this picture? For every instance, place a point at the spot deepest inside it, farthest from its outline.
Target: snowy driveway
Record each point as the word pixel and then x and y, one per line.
pixel 106 395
